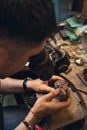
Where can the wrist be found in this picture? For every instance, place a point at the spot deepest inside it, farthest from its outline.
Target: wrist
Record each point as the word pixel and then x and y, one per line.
pixel 26 85
pixel 31 118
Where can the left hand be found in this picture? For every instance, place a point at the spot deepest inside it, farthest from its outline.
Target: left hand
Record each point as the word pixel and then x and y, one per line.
pixel 42 86
pixel 39 86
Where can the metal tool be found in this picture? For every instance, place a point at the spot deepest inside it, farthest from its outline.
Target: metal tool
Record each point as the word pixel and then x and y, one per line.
pixel 81 78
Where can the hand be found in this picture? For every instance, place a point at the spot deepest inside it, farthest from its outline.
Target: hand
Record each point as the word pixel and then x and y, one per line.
pixel 45 105
pixel 53 79
pixel 42 86
pixel 39 86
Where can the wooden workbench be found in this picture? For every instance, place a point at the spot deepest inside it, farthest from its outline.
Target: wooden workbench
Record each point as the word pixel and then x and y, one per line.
pixel 75 111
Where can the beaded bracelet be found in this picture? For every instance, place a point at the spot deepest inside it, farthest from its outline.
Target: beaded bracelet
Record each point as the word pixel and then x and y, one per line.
pixel 28 125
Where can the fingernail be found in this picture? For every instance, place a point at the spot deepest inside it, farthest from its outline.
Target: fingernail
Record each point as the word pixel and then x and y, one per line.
pixel 58 90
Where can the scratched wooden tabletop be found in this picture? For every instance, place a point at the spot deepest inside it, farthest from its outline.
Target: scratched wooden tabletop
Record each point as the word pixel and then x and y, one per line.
pixel 75 111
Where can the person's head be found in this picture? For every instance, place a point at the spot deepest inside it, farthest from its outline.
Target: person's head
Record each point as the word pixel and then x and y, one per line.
pixel 24 27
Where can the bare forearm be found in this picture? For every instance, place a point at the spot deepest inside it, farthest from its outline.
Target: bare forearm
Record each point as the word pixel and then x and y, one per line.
pixel 29 118
pixel 9 85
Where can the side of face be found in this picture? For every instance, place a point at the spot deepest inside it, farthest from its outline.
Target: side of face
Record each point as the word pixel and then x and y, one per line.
pixel 13 61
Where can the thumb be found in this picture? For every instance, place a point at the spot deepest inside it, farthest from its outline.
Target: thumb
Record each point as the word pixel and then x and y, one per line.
pixel 52 94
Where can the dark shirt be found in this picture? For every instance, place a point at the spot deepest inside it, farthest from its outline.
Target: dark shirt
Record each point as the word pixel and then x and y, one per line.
pixel 1 118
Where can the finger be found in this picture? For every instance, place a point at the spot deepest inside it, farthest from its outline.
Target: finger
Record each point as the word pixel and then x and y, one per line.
pixel 53 79
pixel 63 91
pixel 47 89
pixel 52 94
pixel 56 77
pixel 60 105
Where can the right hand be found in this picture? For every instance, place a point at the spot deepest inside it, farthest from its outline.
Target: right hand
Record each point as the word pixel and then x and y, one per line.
pixel 45 105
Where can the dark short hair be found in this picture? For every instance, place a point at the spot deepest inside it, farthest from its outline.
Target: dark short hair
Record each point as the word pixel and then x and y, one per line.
pixel 31 20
